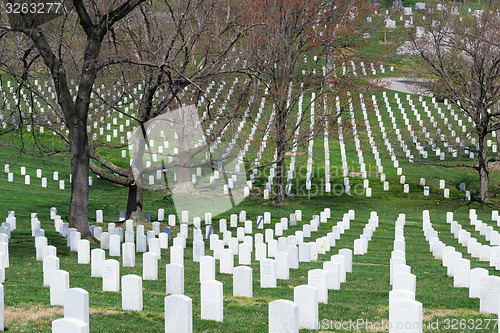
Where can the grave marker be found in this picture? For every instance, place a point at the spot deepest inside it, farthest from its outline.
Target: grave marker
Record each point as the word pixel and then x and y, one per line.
pixel 76 304
pixel 242 281
pixel 132 293
pixel 267 273
pixel 306 297
pixel 174 279
pixel 150 266
pixel 73 325
pixel 111 275
pixel 405 316
pixel 207 268
pixel 283 316
pixel 97 262
pixel 178 314
pixel 59 282
pixel 212 300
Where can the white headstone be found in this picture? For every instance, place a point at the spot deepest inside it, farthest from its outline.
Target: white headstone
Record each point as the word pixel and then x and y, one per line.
pixel 476 274
pixel 226 261
pixel 489 295
pixel 332 270
pixel 317 278
pixel 76 304
pixel 59 282
pixel 207 268
pixel 283 316
pixel 111 275
pixel 174 279
pixel 150 266
pixel 244 254
pixel 198 250
pixel 97 262
pixel 73 325
pixel 177 255
pixel 128 253
pixel 178 314
pixel 50 264
pixel 212 300
pixel 83 251
pixel 114 246
pixel 132 293
pixel 401 294
pixel 282 268
pixel 347 253
pixel 404 281
pixel 405 316
pixel 461 273
pixel 242 281
pixel 267 273
pixel 340 259
pixel 306 297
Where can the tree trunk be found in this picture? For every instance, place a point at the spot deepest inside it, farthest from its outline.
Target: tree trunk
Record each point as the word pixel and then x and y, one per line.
pixel 497 132
pixel 329 50
pixel 329 58
pixel 484 196
pixel 185 135
pixel 79 204
pixel 279 200
pixel 136 189
pixel 134 201
pixel 184 181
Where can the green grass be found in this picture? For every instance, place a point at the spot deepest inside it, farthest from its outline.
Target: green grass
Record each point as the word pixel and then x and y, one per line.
pixel 363 296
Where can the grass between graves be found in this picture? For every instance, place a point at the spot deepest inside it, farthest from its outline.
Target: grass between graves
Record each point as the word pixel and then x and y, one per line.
pixel 363 296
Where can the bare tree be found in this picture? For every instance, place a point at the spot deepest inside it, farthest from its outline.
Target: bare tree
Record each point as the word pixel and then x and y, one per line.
pixel 69 47
pixel 461 57
pixel 175 50
pixel 285 32
pixel 158 57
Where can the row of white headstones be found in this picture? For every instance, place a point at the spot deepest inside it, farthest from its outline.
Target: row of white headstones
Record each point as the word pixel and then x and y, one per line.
pixel 389 149
pixel 401 278
pixel 480 284
pixel 405 186
pixel 5 233
pixel 270 269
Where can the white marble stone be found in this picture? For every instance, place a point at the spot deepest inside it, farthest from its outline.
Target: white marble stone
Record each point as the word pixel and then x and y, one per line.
pixel 132 298
pixel 212 300
pixel 178 314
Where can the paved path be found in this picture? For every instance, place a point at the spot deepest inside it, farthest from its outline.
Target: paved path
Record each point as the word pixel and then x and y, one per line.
pixel 406 85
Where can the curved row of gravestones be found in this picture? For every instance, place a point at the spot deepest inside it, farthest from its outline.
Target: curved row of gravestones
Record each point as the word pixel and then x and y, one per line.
pixel 405 310
pixel 401 142
pixel 389 146
pixel 401 278
pixel 480 284
pixel 5 233
pixel 39 175
pixel 368 189
pixel 329 277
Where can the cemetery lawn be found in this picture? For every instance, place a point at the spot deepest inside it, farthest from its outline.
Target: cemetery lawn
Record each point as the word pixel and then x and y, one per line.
pixel 364 296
